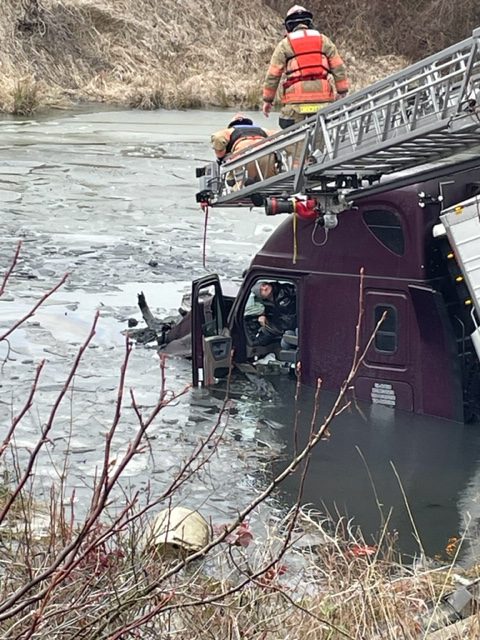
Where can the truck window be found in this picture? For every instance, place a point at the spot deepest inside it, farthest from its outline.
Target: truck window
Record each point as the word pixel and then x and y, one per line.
pixel 270 315
pixel 387 228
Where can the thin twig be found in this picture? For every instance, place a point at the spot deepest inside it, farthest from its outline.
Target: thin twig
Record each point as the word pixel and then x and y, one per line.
pixel 11 268
pixel 34 308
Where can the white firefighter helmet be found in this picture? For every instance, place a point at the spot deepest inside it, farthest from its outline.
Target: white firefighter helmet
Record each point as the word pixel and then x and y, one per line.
pixel 298 15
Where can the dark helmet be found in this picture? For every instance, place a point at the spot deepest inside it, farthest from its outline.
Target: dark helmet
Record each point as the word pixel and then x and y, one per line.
pixel 298 15
pixel 239 119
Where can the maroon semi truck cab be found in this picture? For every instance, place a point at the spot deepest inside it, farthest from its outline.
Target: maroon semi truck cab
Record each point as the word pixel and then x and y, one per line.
pixel 373 184
pixel 421 358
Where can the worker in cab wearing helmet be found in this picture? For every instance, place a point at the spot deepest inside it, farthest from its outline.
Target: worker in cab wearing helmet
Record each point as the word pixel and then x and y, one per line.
pixel 308 61
pixel 239 134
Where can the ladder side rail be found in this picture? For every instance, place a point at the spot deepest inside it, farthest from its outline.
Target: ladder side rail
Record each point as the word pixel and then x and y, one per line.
pixel 434 127
pixel 359 107
pixel 373 108
pixel 275 185
pixel 418 117
pixel 408 178
pixel 380 117
pixel 404 75
pixel 358 103
pixel 469 66
pixel 422 73
pixel 415 73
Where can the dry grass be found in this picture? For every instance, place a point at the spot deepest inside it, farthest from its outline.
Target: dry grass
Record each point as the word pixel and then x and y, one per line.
pixel 143 54
pixel 328 588
pixel 184 54
pixel 409 28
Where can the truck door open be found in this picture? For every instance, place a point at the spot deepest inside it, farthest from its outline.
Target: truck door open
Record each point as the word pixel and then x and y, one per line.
pixel 211 341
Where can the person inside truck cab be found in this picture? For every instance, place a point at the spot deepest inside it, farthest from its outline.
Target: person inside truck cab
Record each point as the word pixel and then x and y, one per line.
pixel 279 314
pixel 239 134
pixel 311 66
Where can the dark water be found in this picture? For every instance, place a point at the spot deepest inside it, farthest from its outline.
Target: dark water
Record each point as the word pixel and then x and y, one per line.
pixel 109 198
pixel 385 468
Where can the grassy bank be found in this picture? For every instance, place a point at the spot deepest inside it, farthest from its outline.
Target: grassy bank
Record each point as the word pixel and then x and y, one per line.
pixel 145 54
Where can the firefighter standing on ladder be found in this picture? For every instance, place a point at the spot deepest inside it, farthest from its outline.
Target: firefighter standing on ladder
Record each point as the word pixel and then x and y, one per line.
pixel 307 58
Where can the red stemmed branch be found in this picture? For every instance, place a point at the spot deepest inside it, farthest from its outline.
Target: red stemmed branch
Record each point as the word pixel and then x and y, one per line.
pixel 11 268
pixel 70 557
pixel 48 426
pixel 91 537
pixel 23 411
pixel 316 436
pixel 34 308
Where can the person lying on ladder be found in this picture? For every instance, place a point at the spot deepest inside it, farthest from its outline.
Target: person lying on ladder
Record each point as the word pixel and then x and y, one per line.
pixel 307 58
pixel 239 134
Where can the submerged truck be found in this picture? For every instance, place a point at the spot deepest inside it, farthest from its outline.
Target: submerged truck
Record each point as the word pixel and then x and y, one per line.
pixel 384 183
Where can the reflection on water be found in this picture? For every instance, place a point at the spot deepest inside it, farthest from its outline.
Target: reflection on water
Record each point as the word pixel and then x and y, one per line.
pixel 374 456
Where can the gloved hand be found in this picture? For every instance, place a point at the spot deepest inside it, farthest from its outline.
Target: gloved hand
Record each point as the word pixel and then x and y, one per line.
pixel 266 108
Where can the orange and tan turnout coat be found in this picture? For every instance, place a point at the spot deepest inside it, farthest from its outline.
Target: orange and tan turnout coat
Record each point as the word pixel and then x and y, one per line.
pixel 234 139
pixel 306 58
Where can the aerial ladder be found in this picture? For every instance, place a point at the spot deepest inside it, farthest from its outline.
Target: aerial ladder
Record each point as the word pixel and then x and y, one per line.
pixel 425 113
pixel 412 126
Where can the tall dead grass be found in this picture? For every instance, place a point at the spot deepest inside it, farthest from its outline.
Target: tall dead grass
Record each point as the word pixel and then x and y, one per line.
pixel 147 54
pixel 412 29
pixel 184 54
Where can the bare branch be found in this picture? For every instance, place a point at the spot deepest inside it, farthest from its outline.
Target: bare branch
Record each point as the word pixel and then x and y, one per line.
pixel 11 268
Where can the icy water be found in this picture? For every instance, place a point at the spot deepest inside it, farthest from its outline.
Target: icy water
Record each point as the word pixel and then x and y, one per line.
pixel 108 197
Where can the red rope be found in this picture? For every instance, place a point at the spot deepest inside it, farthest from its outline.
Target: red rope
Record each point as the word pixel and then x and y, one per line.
pixel 204 206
